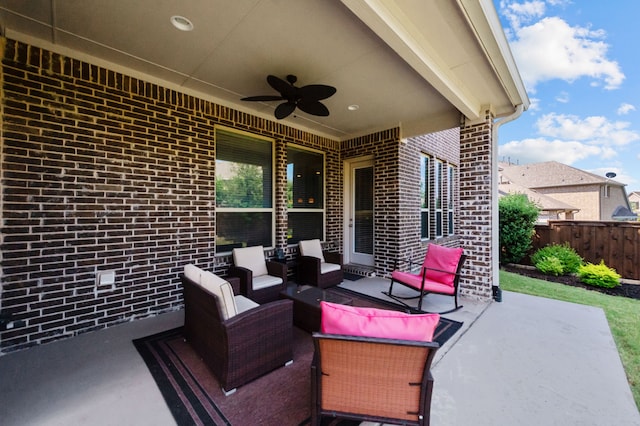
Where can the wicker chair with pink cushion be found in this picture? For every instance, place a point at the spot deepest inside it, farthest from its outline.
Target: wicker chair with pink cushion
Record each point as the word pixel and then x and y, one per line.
pixel 261 280
pixel 236 338
pixel 439 273
pixel 361 372
pixel 317 267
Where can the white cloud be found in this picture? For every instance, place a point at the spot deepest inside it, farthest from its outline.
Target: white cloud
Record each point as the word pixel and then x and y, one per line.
pixel 540 149
pixel 625 109
pixel 552 49
pixel 563 97
pixel 519 13
pixel 594 130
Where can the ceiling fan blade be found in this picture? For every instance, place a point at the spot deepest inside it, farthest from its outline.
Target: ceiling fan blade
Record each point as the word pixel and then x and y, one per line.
pixel 262 98
pixel 286 90
pixel 283 110
pixel 316 92
pixel 313 107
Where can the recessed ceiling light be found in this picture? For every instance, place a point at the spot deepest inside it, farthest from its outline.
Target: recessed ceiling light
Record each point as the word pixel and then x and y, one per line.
pixel 181 23
pixel 353 107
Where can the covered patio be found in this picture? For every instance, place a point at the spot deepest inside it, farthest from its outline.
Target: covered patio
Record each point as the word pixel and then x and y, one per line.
pixel 526 361
pixel 122 137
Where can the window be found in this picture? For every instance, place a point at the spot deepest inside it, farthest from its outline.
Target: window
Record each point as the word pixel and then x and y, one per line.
pixel 244 191
pixel 450 192
pixel 424 197
pixel 437 198
pixel 305 195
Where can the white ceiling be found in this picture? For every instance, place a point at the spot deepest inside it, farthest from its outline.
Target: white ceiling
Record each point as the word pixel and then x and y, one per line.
pixel 414 63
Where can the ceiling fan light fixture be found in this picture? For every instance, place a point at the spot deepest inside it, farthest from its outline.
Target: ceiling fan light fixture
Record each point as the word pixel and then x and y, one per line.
pixel 353 107
pixel 181 23
pixel 306 98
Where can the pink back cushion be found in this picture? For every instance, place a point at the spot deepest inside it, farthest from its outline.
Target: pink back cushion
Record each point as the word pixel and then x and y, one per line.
pixel 372 322
pixel 444 259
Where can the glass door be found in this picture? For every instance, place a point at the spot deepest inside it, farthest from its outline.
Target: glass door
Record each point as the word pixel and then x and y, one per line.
pixel 360 220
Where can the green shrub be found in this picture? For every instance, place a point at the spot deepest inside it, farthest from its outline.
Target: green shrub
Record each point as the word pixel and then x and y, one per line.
pixel 569 260
pixel 518 216
pixel 550 265
pixel 599 275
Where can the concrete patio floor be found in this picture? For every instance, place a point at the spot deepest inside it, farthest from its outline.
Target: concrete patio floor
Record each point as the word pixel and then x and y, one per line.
pixel 525 361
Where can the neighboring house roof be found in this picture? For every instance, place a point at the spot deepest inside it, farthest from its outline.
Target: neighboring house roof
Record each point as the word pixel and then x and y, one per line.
pixel 414 64
pixel 623 213
pixel 532 179
pixel 544 202
pixel 551 174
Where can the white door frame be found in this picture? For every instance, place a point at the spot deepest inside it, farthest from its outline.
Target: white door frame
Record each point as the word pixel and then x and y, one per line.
pixel 348 167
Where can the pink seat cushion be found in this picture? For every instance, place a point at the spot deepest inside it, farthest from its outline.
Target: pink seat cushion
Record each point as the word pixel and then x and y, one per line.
pixel 415 281
pixel 372 322
pixel 444 259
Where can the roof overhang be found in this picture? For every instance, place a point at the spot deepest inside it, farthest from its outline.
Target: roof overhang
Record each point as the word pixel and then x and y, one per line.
pixel 420 65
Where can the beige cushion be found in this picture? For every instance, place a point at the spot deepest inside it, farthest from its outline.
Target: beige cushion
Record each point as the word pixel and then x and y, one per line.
pixel 329 267
pixel 223 292
pixel 243 304
pixel 311 248
pixel 251 258
pixel 264 281
pixel 192 272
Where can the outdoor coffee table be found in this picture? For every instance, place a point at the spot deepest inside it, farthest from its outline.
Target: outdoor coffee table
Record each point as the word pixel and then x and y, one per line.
pixel 306 305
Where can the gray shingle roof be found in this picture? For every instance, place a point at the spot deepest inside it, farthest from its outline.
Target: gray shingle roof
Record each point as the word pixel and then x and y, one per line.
pixel 544 202
pixel 551 174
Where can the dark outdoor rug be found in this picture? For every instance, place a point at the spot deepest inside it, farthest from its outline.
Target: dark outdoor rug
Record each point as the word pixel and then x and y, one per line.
pixel 279 398
pixel 351 277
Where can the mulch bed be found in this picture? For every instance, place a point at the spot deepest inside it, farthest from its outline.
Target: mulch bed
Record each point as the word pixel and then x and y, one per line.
pixel 626 290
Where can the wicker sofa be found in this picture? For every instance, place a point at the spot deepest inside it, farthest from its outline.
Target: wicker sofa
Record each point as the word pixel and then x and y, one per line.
pixel 237 349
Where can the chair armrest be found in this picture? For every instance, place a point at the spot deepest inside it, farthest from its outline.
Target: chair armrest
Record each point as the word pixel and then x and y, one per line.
pixel 245 275
pixel 235 284
pixel 277 269
pixel 269 326
pixel 308 270
pixel 261 318
pixel 309 263
pixel 333 257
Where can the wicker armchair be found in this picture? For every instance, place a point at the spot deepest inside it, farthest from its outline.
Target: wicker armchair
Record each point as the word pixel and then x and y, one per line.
pixel 353 378
pixel 243 347
pixel 261 280
pixel 317 267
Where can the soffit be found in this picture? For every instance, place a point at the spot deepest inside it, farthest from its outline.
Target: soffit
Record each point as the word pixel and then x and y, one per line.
pixel 410 63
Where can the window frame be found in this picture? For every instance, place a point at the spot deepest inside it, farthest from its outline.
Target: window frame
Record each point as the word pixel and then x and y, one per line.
pixel 321 211
pixel 438 191
pixel 273 188
pixel 425 196
pixel 450 198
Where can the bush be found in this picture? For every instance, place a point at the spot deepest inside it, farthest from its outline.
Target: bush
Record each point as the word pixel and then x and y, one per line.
pixel 550 265
pixel 599 275
pixel 569 260
pixel 518 216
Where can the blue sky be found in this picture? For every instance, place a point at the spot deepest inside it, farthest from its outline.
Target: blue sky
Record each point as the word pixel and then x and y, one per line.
pixel 580 64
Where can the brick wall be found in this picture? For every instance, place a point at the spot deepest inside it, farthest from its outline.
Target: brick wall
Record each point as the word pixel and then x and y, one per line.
pixel 443 146
pixel 396 190
pixel 475 212
pixel 102 171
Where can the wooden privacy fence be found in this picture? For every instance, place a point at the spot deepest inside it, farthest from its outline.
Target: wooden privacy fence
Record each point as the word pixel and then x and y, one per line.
pixel 617 243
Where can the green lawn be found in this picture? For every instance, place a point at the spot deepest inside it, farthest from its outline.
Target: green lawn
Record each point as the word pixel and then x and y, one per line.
pixel 622 313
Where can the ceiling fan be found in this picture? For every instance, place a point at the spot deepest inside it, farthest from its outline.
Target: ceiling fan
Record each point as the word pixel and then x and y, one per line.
pixel 307 98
